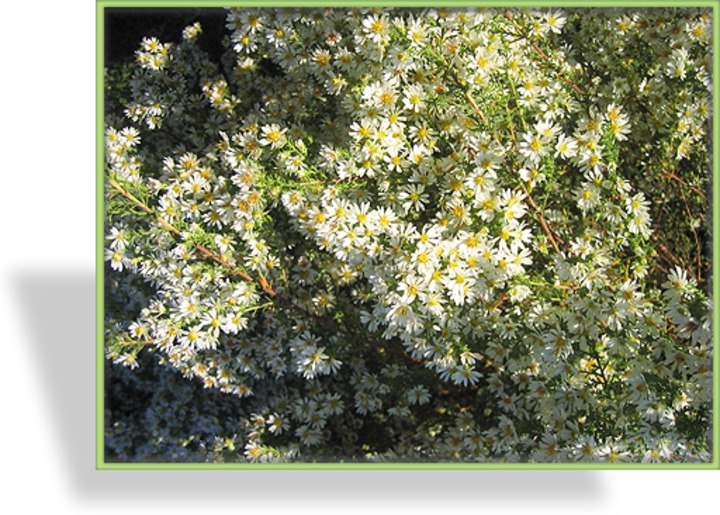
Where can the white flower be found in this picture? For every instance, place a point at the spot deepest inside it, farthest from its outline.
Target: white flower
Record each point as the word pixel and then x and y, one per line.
pixel 273 136
pixel 566 147
pixel 555 21
pixel 534 147
pixel 418 395
pixel 465 376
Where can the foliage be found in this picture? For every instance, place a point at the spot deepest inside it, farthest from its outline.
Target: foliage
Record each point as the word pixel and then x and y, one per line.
pixel 412 235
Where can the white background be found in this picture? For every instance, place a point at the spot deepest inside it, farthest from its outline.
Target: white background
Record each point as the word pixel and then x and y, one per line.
pixel 47 337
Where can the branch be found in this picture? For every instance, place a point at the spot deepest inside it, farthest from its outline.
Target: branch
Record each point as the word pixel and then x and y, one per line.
pixel 330 325
pixel 672 176
pixel 667 254
pixel 203 250
pixel 475 107
pixel 538 215
pixel 136 342
pixel 698 247
pixel 574 86
pixel 536 209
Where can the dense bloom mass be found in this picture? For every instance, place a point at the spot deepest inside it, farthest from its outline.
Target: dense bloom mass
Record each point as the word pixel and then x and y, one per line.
pixel 413 234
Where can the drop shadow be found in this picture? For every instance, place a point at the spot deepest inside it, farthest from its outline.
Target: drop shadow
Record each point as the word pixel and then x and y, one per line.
pixel 64 349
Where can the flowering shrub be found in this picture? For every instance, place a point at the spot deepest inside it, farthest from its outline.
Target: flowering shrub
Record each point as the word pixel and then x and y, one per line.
pixel 419 235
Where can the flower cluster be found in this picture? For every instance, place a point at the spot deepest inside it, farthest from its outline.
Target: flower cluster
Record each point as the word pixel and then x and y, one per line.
pixel 416 234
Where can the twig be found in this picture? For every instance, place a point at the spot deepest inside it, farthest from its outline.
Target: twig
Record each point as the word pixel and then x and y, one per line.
pixel 698 247
pixel 543 54
pixel 499 301
pixel 468 96
pixel 664 255
pixel 674 177
pixel 475 107
pixel 538 215
pixel 142 206
pixel 136 342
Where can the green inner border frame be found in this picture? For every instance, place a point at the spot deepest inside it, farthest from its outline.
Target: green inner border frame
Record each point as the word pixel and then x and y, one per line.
pixel 100 463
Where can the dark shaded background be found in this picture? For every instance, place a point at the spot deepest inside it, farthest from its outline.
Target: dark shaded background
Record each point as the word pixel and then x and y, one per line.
pixel 126 27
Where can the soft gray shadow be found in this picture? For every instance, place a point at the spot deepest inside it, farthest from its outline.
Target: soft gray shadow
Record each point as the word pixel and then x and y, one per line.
pixel 64 349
